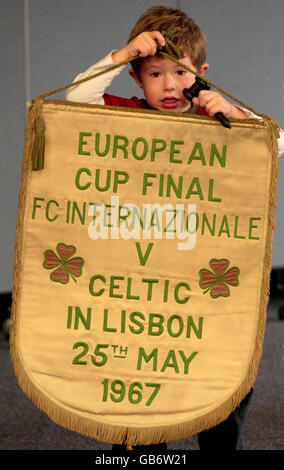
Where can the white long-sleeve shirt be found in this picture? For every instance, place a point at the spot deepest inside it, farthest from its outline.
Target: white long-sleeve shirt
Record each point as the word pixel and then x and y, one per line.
pixel 92 91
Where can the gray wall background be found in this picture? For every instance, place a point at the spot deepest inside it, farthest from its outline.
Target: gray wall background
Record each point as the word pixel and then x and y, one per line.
pixel 46 43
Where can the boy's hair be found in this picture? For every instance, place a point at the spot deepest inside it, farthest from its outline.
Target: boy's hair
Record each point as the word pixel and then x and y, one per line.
pixel 191 41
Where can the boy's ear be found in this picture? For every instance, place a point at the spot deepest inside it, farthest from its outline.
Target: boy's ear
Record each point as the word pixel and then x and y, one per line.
pixel 135 77
pixel 203 69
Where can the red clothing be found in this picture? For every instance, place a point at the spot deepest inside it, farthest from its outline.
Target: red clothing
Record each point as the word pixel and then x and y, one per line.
pixel 124 102
pixel 134 102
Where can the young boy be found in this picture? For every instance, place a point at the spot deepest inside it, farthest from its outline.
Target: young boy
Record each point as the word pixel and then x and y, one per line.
pixel 162 82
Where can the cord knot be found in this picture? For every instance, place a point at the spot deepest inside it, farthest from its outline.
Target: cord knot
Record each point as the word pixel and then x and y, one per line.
pixel 170 48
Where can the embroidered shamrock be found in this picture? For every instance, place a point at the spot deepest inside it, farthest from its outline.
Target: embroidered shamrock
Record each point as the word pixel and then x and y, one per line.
pixel 63 264
pixel 219 279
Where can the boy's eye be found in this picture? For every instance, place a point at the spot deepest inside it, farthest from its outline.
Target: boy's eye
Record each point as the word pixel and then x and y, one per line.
pixel 181 72
pixel 155 74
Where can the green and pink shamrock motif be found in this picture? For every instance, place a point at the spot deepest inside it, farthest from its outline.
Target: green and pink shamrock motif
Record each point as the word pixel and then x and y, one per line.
pixel 219 279
pixel 63 263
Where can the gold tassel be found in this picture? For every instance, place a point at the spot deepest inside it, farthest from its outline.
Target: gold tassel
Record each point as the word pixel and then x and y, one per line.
pixel 38 145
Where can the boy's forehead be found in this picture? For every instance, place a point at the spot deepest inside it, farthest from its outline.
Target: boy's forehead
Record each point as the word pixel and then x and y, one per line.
pixel 155 61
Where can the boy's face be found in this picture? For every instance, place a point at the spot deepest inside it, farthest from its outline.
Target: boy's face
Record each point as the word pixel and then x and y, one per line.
pixel 162 81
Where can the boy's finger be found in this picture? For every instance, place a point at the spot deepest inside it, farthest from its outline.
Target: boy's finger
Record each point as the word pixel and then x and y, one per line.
pixel 146 47
pixel 158 36
pixel 205 96
pixel 196 101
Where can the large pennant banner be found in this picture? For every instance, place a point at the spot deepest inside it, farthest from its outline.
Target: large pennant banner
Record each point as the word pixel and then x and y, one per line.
pixel 142 263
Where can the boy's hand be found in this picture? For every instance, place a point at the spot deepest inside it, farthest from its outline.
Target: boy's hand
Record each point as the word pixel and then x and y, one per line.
pixel 213 103
pixel 143 45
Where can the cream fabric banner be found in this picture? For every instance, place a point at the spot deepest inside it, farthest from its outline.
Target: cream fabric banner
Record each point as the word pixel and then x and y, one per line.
pixel 142 264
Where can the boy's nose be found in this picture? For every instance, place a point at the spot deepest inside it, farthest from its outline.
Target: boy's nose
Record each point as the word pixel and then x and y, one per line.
pixel 169 83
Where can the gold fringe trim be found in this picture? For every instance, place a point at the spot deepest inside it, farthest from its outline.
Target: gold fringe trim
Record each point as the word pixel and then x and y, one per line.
pixel 123 434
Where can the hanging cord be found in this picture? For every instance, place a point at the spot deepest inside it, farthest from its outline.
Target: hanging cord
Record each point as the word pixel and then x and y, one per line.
pixel 78 82
pixel 168 51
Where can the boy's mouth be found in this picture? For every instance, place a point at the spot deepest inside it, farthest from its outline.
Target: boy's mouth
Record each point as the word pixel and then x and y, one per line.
pixel 170 102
